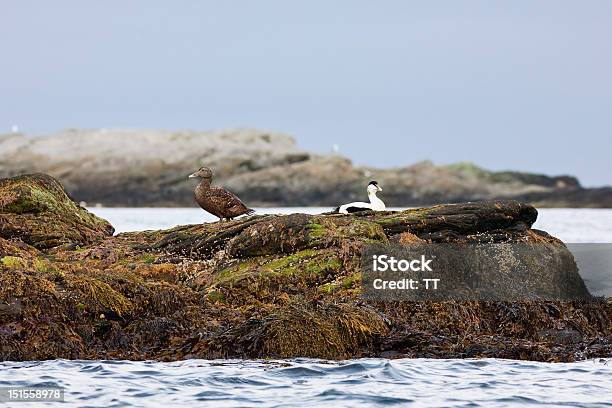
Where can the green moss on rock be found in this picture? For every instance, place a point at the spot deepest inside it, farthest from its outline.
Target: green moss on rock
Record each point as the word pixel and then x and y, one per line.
pixel 295 232
pixel 36 209
pixel 302 264
pixel 262 287
pixel 12 262
pixel 308 261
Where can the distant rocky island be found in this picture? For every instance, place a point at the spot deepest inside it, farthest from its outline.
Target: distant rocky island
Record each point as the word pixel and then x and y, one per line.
pixel 116 167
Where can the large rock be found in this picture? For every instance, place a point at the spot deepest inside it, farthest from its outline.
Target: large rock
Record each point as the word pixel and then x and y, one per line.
pixel 35 209
pixel 150 168
pixel 276 286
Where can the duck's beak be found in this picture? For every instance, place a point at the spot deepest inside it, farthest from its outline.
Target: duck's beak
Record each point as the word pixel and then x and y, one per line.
pixel 193 175
pixel 379 188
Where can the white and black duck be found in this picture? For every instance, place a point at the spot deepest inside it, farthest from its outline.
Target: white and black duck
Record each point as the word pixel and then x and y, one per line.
pixel 375 204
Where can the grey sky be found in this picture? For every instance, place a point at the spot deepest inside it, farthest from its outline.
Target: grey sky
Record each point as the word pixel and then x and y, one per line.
pixel 522 85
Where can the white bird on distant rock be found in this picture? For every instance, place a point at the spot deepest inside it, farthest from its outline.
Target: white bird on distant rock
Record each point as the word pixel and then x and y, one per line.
pixel 375 204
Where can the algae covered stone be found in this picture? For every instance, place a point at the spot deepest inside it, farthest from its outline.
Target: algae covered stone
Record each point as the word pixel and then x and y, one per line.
pixel 35 209
pixel 270 286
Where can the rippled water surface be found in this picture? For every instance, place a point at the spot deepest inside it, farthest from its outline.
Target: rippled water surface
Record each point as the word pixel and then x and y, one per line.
pixel 303 383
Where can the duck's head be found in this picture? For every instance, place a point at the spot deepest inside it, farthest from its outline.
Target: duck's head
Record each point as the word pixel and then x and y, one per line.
pixel 373 187
pixel 203 172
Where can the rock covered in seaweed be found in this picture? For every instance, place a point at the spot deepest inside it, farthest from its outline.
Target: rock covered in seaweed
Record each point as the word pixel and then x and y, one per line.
pixel 272 286
pixel 36 209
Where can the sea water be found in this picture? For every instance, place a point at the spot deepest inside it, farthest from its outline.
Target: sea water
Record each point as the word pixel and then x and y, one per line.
pixel 308 382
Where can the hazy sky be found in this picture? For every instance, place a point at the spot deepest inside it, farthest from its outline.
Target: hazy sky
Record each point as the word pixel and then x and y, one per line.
pixel 523 85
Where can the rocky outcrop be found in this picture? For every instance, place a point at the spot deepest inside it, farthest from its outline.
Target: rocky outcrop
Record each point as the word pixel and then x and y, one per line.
pixel 280 286
pixel 35 209
pixel 150 168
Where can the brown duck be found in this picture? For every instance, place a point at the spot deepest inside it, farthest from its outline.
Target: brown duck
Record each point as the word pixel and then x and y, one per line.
pixel 217 200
